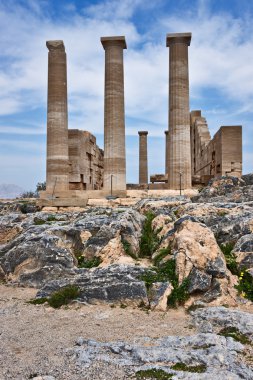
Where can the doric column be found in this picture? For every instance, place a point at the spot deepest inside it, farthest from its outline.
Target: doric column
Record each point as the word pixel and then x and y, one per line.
pixel 57 119
pixel 166 152
pixel 114 114
pixel 179 116
pixel 143 157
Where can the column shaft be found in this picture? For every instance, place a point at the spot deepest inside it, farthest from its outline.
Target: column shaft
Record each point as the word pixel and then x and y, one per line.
pixel 57 119
pixel 179 116
pixel 143 157
pixel 167 149
pixel 114 114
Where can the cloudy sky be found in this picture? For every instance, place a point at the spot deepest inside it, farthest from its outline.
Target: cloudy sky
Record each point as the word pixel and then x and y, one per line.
pixel 220 63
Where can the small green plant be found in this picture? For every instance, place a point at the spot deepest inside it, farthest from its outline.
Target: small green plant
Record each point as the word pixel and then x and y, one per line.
pixel 128 249
pixel 39 222
pixel 149 239
pixel 222 213
pixel 183 367
pixel 24 208
pixel 153 373
pixel 234 333
pixel 176 212
pixel 123 306
pixel 179 294
pixel 167 272
pixel 88 263
pixel 60 297
pixel 63 296
pixel 51 218
pixel 230 257
pixel 162 253
pixel 245 286
pixel 38 301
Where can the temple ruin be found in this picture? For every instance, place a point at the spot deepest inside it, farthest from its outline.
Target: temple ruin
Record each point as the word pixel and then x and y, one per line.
pixel 77 169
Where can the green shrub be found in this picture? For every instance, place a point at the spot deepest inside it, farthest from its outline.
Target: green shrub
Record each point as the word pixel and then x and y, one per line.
pixel 167 272
pixel 38 301
pixel 153 373
pixel 128 249
pixel 234 333
pixel 179 294
pixel 60 297
pixel 162 253
pixel 222 213
pixel 63 296
pixel 88 263
pixel 39 222
pixel 24 208
pixel 149 239
pixel 51 218
pixel 245 286
pixel 230 257
pixel 183 367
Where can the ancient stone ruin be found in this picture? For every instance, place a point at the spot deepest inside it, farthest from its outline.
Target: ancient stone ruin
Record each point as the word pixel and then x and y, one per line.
pixel 77 169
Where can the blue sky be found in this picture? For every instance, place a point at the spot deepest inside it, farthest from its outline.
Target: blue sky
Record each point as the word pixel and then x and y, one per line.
pixel 220 64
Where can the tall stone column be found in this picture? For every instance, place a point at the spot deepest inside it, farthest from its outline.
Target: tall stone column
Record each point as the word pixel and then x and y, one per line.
pixel 57 119
pixel 143 157
pixel 167 149
pixel 114 114
pixel 179 116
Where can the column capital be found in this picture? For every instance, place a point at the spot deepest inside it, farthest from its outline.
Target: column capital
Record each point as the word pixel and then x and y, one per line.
pixel 114 41
pixel 143 133
pixel 55 45
pixel 175 38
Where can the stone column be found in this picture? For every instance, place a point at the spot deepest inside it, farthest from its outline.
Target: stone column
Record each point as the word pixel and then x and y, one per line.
pixel 114 114
pixel 57 119
pixel 179 116
pixel 143 157
pixel 167 149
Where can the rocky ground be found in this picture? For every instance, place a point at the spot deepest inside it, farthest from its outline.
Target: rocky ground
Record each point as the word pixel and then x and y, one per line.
pixel 130 264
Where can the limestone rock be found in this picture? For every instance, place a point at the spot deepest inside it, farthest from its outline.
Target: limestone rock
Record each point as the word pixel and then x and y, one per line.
pixel 221 317
pixel 34 257
pixel 195 246
pixel 158 295
pixel 114 253
pixel 117 284
pixel 8 233
pixel 218 356
pixel 199 281
pixel 244 252
pixel 230 189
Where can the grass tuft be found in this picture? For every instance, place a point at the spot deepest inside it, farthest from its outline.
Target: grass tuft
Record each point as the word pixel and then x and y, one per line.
pixel 60 297
pixel 149 239
pixel 167 272
pixel 230 257
pixel 38 301
pixel 88 263
pixel 162 253
pixel 234 333
pixel 128 249
pixel 153 373
pixel 183 367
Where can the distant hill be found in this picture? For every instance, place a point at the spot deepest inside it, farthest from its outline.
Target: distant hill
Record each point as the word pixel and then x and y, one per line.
pixel 10 190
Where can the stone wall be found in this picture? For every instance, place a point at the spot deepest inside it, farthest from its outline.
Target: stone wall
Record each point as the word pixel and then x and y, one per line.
pixel 86 161
pixel 215 157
